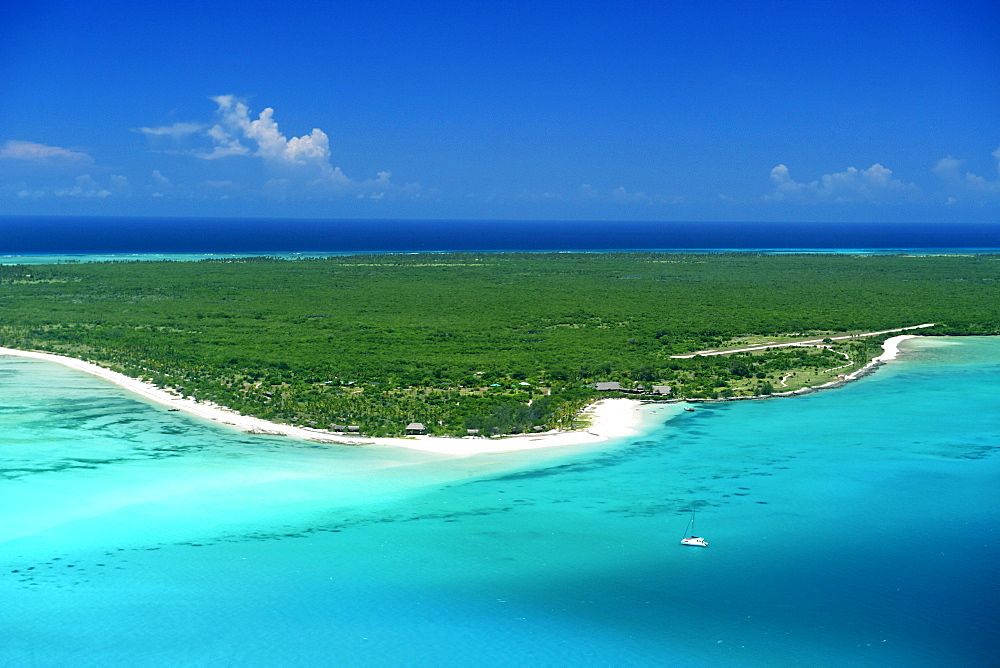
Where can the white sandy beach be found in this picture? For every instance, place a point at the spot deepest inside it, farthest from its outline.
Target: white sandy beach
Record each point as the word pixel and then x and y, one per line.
pixel 775 344
pixel 891 347
pixel 609 418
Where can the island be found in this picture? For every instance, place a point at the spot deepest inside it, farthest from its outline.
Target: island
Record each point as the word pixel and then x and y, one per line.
pixel 439 348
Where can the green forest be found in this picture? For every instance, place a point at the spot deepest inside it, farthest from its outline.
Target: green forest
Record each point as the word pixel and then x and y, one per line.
pixel 501 343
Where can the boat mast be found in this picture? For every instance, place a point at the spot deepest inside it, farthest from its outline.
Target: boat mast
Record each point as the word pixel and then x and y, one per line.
pixel 690 526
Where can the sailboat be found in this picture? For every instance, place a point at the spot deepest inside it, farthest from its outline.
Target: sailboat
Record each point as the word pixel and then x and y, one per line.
pixel 696 541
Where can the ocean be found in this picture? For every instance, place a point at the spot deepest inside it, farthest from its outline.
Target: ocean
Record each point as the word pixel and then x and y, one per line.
pixel 856 526
pixel 102 236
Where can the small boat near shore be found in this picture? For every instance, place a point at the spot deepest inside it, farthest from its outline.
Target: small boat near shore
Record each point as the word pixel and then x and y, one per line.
pixel 693 540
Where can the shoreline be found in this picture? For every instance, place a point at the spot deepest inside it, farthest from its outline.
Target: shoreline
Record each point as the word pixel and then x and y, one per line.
pixel 768 346
pixel 610 418
pixel 890 348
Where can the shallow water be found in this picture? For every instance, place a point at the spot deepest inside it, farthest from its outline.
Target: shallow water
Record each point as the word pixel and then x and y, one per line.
pixel 856 526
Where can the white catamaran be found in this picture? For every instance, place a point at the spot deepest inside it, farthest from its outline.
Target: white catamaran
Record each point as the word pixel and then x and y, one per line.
pixel 696 541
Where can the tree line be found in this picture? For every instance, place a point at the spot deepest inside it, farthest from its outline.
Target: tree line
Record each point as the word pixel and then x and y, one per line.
pixel 501 343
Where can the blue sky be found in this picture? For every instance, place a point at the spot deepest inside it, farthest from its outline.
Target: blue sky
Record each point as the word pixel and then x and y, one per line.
pixel 846 111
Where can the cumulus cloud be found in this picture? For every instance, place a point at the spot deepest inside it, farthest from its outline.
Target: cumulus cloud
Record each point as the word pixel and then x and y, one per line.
pixel 85 186
pixel 40 153
pixel 119 184
pixel 160 179
pixel 263 132
pixel 33 171
pixel 873 185
pixel 297 166
pixel 959 186
pixel 225 145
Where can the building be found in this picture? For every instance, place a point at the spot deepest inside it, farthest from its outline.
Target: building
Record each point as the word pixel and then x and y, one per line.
pixel 415 428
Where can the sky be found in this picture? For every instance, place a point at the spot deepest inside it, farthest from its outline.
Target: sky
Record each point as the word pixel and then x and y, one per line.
pixel 731 111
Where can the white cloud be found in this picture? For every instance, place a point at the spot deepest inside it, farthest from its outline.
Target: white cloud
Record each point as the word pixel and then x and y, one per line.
pixel 619 195
pixel 86 186
pixel 83 186
pixel 160 179
pixel 119 184
pixel 32 152
pixel 873 185
pixel 161 185
pixel 960 187
pixel 175 131
pixel 587 194
pixel 53 171
pixel 225 145
pixel 297 167
pixel 263 131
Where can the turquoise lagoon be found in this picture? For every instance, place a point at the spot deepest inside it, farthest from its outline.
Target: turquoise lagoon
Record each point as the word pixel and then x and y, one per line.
pixel 858 526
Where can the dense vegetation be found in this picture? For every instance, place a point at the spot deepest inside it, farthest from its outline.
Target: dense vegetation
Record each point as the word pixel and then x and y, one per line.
pixel 496 342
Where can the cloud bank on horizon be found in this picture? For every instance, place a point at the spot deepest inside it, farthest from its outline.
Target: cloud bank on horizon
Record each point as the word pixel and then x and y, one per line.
pixel 297 166
pixel 874 184
pixel 301 166
pixel 736 113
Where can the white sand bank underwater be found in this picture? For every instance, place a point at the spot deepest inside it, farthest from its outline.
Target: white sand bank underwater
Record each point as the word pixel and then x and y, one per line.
pixel 609 418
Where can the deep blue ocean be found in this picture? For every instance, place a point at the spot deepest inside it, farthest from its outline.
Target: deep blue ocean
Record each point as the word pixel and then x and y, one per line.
pixel 850 527
pixel 21 235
